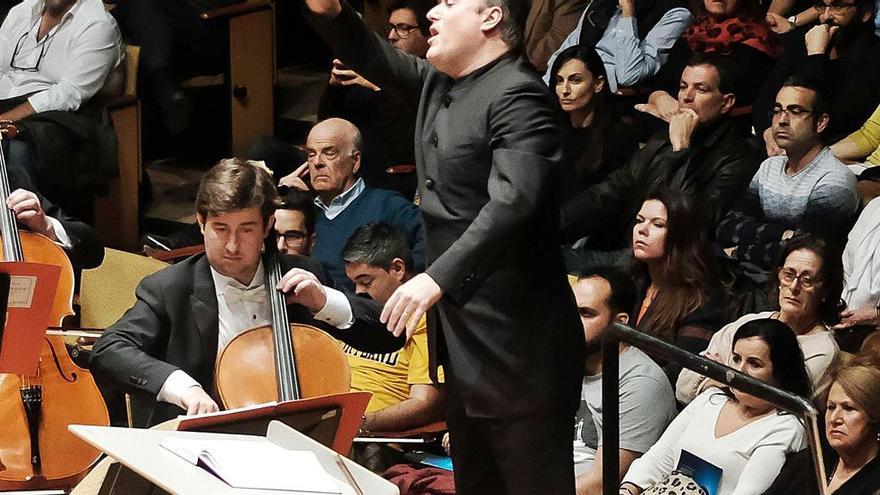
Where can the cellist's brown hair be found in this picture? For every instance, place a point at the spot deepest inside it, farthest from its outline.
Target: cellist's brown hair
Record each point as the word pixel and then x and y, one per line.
pixel 235 184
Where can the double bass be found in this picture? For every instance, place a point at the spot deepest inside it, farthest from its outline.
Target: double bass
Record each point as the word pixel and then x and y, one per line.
pixel 307 361
pixel 36 450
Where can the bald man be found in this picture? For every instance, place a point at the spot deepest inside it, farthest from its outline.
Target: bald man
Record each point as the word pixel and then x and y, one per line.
pixel 346 203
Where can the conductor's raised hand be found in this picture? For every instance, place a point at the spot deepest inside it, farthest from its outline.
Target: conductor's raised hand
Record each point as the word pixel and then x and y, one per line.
pixel 28 210
pixel 324 7
pixel 303 287
pixel 406 306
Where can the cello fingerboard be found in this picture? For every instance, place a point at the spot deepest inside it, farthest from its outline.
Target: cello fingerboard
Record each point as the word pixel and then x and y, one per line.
pixel 285 360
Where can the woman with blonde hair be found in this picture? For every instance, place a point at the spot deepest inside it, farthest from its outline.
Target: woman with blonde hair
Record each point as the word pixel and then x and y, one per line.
pixel 852 429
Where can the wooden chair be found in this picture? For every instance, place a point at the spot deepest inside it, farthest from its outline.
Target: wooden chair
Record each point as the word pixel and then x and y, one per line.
pixel 117 215
pixel 107 291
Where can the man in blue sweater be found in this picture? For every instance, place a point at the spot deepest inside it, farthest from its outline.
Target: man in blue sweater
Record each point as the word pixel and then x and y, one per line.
pixel 346 203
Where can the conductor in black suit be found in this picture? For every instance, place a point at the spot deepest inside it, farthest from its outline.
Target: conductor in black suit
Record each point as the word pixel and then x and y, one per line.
pixel 163 350
pixel 504 325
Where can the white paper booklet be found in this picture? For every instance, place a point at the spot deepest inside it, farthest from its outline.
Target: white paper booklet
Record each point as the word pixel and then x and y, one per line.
pixel 255 465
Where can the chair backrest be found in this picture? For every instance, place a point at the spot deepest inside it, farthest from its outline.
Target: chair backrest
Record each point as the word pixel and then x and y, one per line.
pixel 132 59
pixel 108 291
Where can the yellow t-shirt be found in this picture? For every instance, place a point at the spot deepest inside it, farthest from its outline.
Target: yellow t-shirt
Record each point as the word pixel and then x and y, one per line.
pixel 389 376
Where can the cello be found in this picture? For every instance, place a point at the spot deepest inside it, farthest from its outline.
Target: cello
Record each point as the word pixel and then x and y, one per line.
pixel 36 450
pixel 307 361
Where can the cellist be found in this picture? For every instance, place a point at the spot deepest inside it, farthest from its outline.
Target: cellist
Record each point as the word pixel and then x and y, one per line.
pixel 164 349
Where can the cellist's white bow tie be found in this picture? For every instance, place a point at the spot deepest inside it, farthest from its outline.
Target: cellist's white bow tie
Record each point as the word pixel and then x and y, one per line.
pixel 236 295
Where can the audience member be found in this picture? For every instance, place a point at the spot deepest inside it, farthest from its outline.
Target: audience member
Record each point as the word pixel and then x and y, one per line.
pixel 633 40
pixel 596 141
pixel 805 190
pixel 810 278
pixel 702 155
pixel 861 271
pixel 840 55
pixel 295 222
pixel 54 57
pixel 744 437
pixel 547 25
pixel 734 27
pixel 852 430
pixel 386 119
pixel 377 259
pixel 346 203
pixel 680 301
pixel 870 348
pixel 604 296
pixel 862 145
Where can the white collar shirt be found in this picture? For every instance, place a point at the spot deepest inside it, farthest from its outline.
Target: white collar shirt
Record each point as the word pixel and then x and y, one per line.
pixel 65 68
pixel 341 202
pixel 238 307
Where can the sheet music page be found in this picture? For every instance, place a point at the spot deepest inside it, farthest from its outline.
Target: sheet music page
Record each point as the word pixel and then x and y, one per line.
pixel 255 465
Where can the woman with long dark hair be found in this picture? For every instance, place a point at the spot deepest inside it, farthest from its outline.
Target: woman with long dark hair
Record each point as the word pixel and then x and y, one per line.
pixel 740 438
pixel 681 302
pixel 596 142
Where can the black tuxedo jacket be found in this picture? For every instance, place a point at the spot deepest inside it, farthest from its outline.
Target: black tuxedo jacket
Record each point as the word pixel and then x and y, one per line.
pixel 488 148
pixel 86 251
pixel 173 325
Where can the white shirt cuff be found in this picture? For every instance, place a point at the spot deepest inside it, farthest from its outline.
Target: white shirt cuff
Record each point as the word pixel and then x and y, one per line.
pixel 61 237
pixel 175 385
pixel 336 311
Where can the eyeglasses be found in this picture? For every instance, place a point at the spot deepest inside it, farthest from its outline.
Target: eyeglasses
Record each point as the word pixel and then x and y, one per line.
pixel 834 7
pixel 787 276
pixel 402 29
pixel 44 47
pixel 793 111
pixel 293 238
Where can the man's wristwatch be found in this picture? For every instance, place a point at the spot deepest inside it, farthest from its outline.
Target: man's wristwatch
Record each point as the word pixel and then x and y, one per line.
pixel 793 21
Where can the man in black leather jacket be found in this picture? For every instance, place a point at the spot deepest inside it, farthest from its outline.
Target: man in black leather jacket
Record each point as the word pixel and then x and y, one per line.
pixel 702 154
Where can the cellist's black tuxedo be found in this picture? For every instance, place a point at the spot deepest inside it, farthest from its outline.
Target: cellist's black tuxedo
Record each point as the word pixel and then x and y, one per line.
pixel 173 325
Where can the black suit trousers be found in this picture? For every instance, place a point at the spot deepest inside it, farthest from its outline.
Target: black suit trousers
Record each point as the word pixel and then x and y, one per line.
pixel 510 456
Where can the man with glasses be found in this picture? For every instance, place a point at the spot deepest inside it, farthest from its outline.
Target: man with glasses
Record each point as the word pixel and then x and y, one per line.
pixel 345 202
pixel 804 189
pixel 386 120
pixel 295 223
pixel 701 153
pixel 55 55
pixel 842 56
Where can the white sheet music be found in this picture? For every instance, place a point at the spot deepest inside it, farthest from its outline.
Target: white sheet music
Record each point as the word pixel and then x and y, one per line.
pixel 256 465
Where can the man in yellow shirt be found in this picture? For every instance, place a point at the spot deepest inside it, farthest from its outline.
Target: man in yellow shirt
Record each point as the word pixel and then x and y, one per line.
pixel 378 260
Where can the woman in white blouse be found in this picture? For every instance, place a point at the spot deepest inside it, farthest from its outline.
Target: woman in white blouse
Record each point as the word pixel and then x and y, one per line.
pixel 810 280
pixel 744 437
